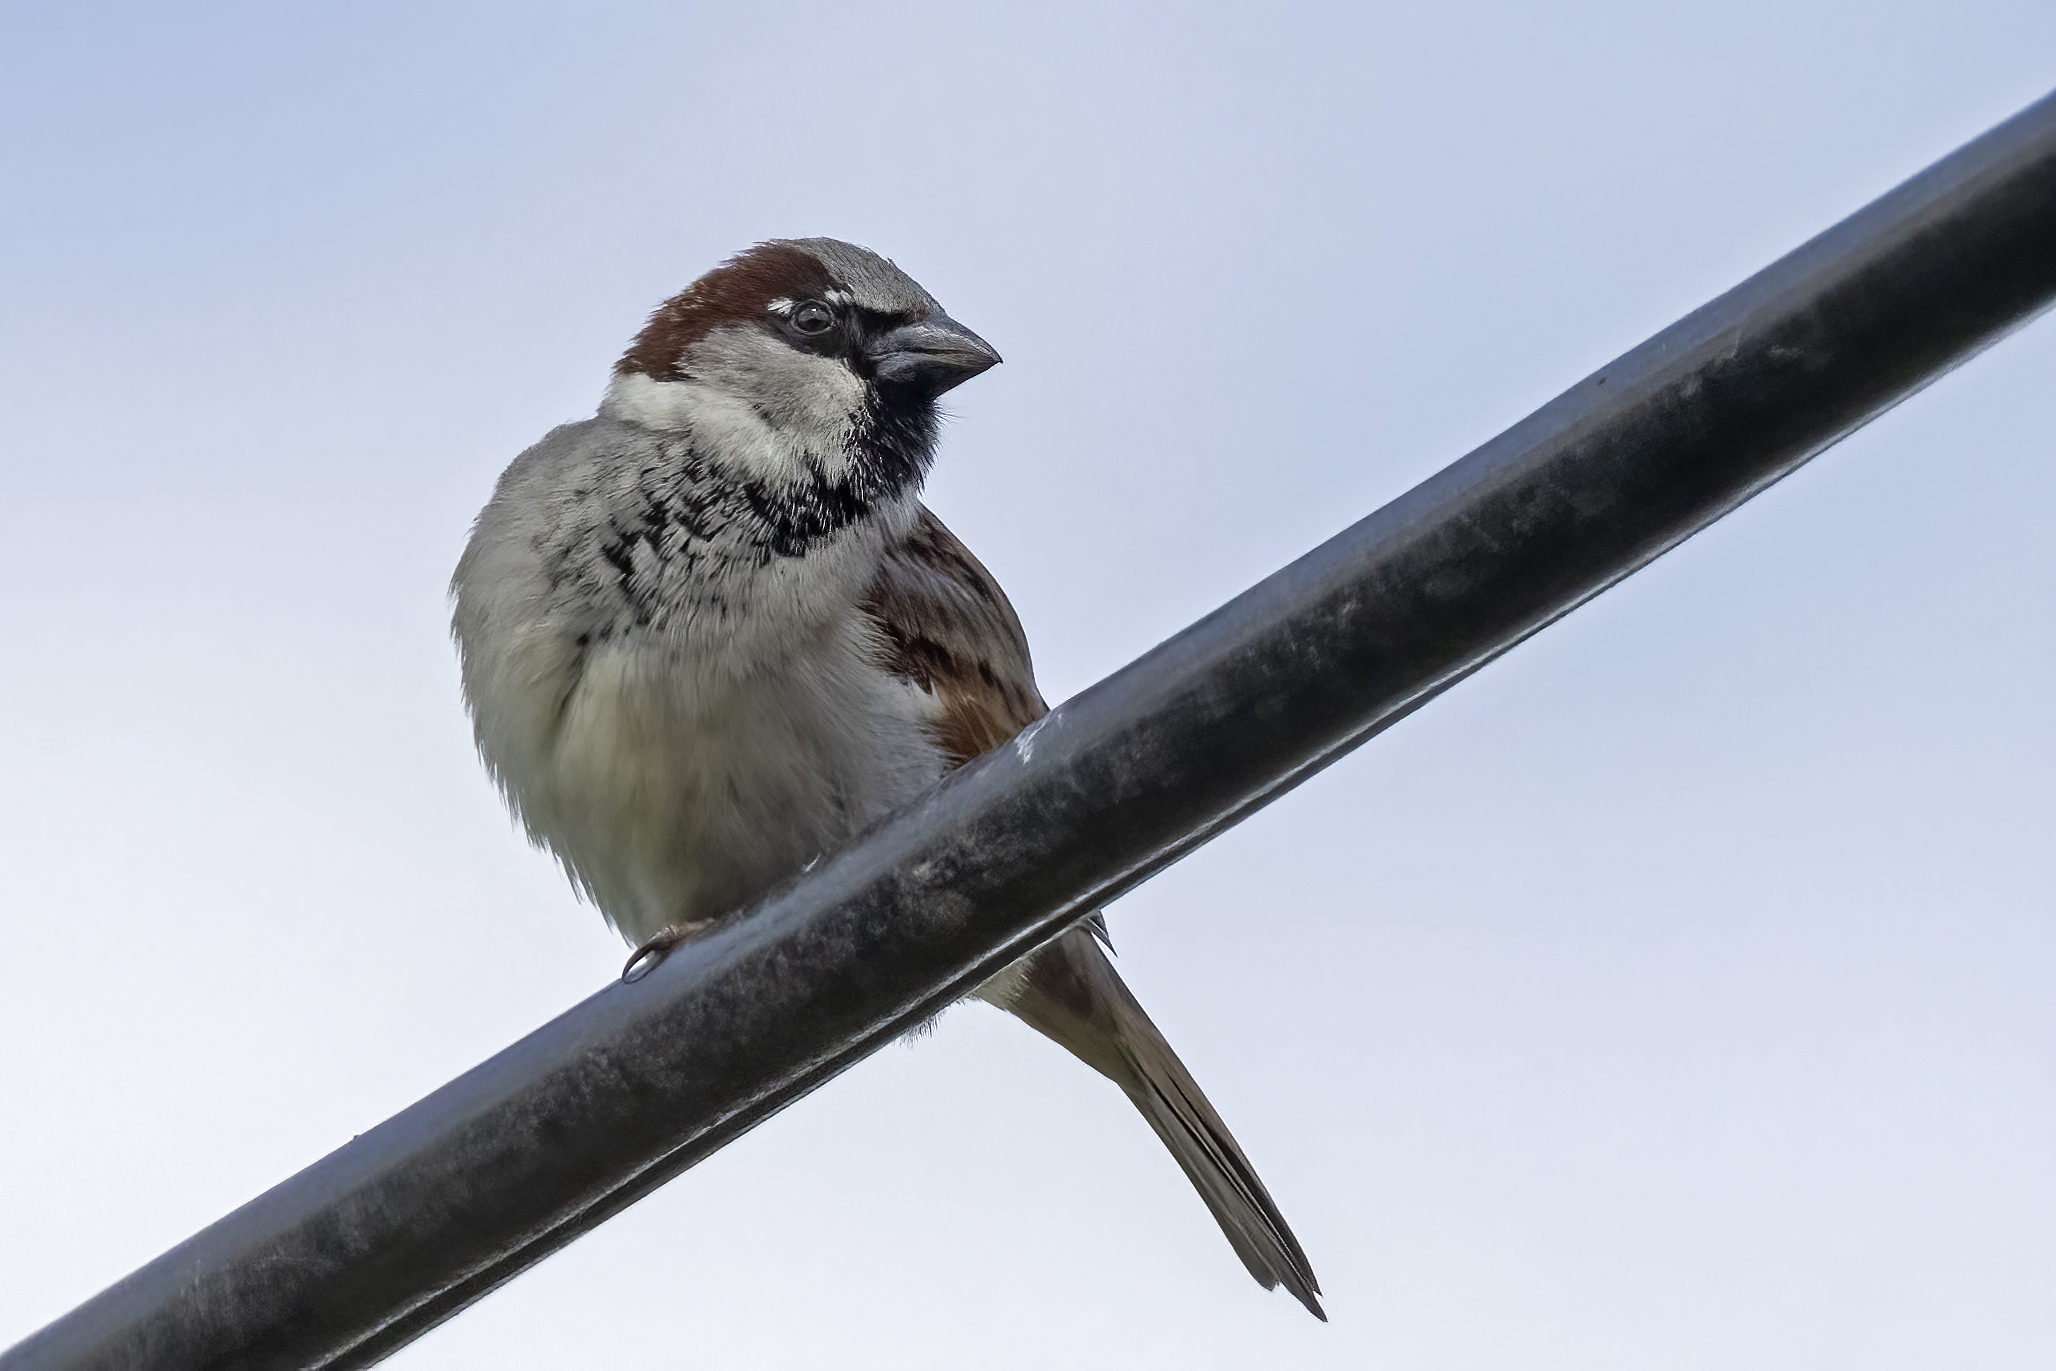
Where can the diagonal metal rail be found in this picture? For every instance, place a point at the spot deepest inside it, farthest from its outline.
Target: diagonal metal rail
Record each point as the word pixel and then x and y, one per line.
pixel 381 1240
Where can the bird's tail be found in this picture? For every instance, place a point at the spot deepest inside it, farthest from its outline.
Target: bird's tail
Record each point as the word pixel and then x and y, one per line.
pixel 1070 992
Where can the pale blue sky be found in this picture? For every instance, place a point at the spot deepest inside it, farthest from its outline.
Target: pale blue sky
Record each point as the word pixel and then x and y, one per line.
pixel 1674 994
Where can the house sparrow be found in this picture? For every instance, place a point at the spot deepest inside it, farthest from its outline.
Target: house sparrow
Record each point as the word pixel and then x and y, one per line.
pixel 712 633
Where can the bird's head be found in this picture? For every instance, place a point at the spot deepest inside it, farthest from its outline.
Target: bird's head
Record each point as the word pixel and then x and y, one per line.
pixel 802 349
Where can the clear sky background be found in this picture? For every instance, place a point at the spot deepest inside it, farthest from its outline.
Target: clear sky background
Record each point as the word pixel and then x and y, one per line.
pixel 1674 994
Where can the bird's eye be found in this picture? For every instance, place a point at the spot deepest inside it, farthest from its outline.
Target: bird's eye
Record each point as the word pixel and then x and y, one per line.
pixel 812 317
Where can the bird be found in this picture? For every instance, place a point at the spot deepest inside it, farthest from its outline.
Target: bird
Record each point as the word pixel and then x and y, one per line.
pixel 711 633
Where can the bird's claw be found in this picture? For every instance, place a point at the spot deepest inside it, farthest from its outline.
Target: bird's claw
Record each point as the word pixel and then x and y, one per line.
pixel 646 957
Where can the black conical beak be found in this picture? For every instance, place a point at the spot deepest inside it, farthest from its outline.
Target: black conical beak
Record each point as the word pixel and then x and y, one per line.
pixel 935 354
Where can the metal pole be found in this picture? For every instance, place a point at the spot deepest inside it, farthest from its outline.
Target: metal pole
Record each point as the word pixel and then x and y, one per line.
pixel 386 1237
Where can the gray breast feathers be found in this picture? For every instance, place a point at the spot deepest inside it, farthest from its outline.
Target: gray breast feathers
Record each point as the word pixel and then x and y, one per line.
pixel 681 718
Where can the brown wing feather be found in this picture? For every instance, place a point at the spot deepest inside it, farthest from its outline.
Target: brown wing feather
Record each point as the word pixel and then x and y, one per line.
pixel 948 628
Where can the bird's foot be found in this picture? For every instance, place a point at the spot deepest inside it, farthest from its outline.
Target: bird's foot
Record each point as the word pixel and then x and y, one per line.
pixel 656 949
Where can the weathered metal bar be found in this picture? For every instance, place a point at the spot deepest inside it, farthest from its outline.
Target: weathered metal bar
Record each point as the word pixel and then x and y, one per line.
pixel 386 1237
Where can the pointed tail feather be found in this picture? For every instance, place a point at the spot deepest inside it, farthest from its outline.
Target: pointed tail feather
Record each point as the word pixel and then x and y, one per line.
pixel 1071 993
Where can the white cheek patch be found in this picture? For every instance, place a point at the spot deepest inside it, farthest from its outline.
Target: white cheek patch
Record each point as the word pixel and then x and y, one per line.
pixel 732 433
pixel 638 399
pixel 768 411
